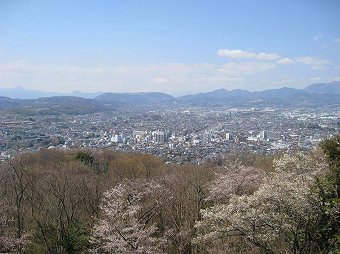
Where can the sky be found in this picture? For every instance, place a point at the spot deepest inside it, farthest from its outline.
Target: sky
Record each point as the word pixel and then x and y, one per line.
pixel 172 46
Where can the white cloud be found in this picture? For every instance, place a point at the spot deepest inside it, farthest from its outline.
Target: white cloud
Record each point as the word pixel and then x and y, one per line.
pixel 242 54
pixel 314 62
pixel 167 77
pixel 235 53
pixel 285 61
pixel 235 69
pixel 266 56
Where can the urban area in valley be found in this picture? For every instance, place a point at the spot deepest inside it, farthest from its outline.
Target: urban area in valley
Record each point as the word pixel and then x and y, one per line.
pixel 177 134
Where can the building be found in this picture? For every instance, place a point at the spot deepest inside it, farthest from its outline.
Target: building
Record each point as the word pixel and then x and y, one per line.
pixel 139 136
pixel 117 138
pixel 228 136
pixel 206 138
pixel 273 135
pixel 270 135
pixel 159 136
pixel 263 135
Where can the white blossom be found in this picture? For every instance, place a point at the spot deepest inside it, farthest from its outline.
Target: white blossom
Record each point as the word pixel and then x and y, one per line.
pixel 235 180
pixel 127 225
pixel 275 216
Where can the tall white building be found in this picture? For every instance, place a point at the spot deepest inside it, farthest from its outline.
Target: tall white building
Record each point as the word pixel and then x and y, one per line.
pixel 270 135
pixel 159 136
pixel 228 136
pixel 263 135
pixel 117 138
pixel 206 137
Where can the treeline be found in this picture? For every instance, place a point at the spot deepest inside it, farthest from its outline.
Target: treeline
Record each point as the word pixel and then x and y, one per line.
pixel 100 201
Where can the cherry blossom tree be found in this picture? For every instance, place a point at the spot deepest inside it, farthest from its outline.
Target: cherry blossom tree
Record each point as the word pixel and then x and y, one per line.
pixel 300 164
pixel 234 180
pixel 9 242
pixel 276 218
pixel 127 224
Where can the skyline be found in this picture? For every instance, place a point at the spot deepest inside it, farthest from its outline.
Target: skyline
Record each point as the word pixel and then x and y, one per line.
pixel 168 46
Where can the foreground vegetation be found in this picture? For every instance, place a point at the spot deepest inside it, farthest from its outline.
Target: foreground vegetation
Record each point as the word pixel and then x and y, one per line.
pixel 84 201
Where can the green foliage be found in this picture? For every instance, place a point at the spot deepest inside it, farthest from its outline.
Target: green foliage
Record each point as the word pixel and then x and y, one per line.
pixel 328 189
pixel 45 239
pixel 88 159
pixel 50 239
pixel 76 239
pixel 85 157
pixel 35 248
pixel 331 148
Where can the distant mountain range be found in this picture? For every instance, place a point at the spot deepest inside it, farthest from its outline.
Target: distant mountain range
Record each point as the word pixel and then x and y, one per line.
pixel 313 95
pixel 22 93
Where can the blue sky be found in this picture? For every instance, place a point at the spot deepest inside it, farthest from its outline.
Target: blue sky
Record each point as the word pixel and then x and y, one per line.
pixel 177 47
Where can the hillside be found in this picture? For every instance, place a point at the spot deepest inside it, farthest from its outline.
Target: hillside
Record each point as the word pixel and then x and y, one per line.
pixel 324 88
pixel 100 201
pixel 272 97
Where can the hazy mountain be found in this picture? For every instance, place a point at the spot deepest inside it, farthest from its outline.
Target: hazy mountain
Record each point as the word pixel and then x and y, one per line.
pixel 22 93
pixel 313 95
pixel 318 94
pixel 324 88
pixel 9 103
pixel 52 105
pixel 134 98
pixel 217 97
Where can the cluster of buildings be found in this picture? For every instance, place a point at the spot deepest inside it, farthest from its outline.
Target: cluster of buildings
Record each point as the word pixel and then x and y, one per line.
pixel 178 135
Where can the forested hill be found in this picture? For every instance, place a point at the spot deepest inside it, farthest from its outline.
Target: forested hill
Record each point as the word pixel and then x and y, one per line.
pixel 99 201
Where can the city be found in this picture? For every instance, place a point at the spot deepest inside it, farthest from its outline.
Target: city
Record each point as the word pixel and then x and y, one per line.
pixel 177 134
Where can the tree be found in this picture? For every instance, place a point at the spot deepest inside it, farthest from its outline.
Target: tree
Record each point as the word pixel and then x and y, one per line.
pixel 127 224
pixel 53 197
pixel 9 242
pixel 187 192
pixel 328 190
pixel 331 148
pixel 301 165
pixel 277 218
pixel 234 180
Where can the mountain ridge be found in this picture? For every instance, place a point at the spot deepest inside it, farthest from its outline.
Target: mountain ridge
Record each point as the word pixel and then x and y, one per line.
pixel 313 95
pixel 324 88
pixel 332 87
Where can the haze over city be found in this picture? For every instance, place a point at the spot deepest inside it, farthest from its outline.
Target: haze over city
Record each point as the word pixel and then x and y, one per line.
pixel 176 47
